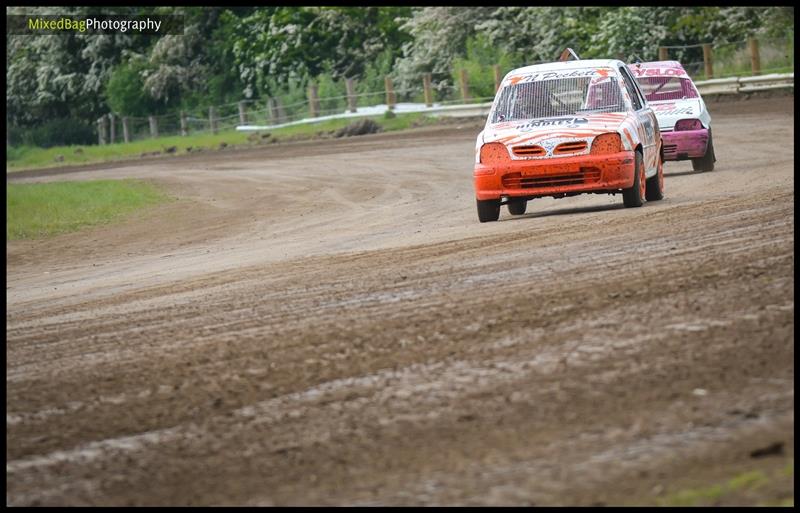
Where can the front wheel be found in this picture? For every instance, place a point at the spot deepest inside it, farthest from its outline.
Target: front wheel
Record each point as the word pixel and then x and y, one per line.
pixel 634 196
pixel 706 162
pixel 517 206
pixel 488 210
pixel 655 185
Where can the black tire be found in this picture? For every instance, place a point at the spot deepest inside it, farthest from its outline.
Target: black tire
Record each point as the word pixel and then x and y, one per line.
pixel 634 196
pixel 488 210
pixel 706 162
pixel 516 206
pixel 655 185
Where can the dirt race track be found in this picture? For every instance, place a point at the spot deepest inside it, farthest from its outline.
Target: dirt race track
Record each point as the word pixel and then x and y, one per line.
pixel 328 323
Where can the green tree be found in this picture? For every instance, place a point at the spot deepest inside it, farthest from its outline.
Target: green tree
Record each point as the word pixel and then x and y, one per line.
pixel 126 93
pixel 614 36
pixel 540 34
pixel 277 44
pixel 62 75
pixel 439 35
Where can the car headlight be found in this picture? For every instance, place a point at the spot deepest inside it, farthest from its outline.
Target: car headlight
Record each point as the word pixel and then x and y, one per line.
pixel 688 124
pixel 606 143
pixel 494 153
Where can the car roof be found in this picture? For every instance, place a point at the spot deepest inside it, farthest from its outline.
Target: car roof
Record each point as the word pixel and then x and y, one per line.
pixel 659 68
pixel 568 65
pixel 657 64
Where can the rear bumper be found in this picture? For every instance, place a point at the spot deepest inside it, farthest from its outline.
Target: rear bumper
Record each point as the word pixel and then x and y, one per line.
pixel 555 176
pixel 686 144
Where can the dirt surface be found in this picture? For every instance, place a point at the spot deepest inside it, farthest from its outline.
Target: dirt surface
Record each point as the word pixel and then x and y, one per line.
pixel 328 323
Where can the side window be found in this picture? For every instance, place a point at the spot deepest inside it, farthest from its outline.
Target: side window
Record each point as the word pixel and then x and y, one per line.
pixel 633 92
pixel 639 90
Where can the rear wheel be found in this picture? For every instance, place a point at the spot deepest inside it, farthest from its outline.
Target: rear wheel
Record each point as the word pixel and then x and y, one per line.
pixel 516 206
pixel 706 162
pixel 655 185
pixel 634 196
pixel 488 210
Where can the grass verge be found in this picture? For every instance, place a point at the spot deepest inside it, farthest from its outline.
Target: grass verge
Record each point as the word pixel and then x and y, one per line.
pixel 26 157
pixel 36 210
pixel 754 487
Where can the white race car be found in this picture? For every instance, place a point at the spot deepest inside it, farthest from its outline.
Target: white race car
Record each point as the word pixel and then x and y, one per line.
pixel 566 128
pixel 682 114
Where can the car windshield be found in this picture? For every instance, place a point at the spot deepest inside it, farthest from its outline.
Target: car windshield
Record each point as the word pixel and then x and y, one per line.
pixel 558 97
pixel 667 88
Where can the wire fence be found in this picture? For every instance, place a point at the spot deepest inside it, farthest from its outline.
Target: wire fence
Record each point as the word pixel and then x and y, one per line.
pixel 278 110
pixel 735 59
pixel 327 98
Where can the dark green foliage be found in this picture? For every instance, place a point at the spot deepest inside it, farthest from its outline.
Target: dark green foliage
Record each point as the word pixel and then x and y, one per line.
pixel 481 56
pixel 227 54
pixel 125 91
pixel 56 132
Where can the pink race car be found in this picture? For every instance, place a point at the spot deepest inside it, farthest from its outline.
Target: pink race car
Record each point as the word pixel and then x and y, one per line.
pixel 681 112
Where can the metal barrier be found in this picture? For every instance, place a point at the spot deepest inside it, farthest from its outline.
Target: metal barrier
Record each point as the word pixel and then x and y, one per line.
pixel 718 86
pixel 766 82
pixel 736 85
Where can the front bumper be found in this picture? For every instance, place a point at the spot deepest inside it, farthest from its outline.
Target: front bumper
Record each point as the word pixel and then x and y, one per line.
pixel 555 176
pixel 686 144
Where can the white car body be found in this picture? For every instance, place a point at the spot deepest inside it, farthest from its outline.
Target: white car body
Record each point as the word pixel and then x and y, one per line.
pixel 565 128
pixel 682 115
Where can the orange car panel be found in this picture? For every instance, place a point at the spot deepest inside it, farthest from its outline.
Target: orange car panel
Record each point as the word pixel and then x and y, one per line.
pixel 556 156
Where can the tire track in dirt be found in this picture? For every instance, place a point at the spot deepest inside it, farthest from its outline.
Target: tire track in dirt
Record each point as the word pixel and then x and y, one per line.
pixel 375 353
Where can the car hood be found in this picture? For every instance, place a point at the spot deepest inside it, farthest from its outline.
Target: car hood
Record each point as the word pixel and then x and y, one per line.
pixel 579 126
pixel 670 111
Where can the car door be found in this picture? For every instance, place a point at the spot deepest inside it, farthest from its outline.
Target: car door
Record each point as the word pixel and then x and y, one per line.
pixel 649 132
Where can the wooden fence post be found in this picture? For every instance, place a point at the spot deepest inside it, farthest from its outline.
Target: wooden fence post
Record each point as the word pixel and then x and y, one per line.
pixel 755 58
pixel 126 133
pixel 272 111
pixel 708 60
pixel 242 113
pixel 184 125
pixel 497 77
pixel 313 100
pixel 101 130
pixel 153 126
pixel 281 111
pixel 351 94
pixel 663 54
pixel 464 79
pixel 212 119
pixel 113 128
pixel 426 87
pixel 391 100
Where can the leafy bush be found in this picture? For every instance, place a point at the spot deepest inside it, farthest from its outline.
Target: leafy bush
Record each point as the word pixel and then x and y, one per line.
pixel 481 56
pixel 293 97
pixel 56 132
pixel 331 94
pixel 373 80
pixel 126 94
